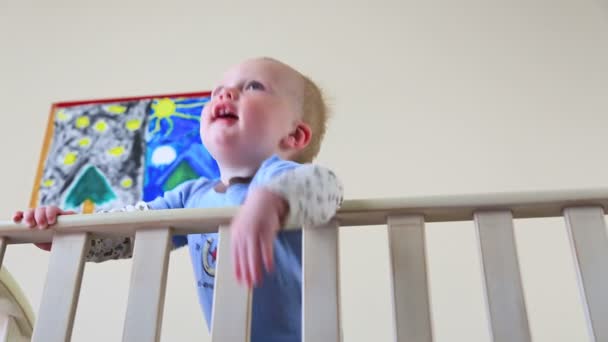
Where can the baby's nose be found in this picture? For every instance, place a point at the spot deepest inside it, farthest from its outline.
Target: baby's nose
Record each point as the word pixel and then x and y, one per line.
pixel 228 94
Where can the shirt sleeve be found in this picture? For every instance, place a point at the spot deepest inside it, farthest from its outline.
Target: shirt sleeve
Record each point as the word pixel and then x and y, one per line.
pixel 178 198
pixel 110 248
pixel 313 193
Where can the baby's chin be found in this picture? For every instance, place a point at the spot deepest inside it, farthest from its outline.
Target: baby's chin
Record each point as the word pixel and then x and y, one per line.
pixel 223 143
pixel 235 151
pixel 221 135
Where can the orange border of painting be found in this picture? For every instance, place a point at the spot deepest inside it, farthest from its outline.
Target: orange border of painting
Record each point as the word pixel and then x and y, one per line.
pixel 48 135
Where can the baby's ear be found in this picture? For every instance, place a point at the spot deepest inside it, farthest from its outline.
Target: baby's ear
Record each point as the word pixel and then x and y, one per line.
pixel 298 139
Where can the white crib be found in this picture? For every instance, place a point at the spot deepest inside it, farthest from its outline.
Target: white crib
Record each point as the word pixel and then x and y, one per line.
pixel 493 215
pixel 16 315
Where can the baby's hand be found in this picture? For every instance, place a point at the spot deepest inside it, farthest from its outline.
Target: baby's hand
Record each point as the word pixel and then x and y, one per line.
pixel 253 231
pixel 40 218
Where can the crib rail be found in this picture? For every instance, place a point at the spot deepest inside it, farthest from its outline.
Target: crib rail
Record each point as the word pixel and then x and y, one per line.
pixel 492 214
pixel 16 315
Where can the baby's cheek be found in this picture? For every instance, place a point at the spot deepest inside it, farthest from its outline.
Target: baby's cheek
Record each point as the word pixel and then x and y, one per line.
pixel 201 127
pixel 202 132
pixel 205 119
pixel 205 111
pixel 256 107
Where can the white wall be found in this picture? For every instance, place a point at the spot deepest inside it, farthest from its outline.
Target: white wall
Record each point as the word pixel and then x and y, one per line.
pixel 436 98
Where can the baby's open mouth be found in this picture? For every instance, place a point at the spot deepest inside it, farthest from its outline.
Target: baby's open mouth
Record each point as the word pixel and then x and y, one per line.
pixel 225 112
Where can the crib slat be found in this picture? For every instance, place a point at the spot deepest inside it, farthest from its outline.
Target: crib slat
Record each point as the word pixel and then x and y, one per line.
pixel 2 250
pixel 147 288
pixel 9 330
pixel 6 324
pixel 505 297
pixel 587 231
pixel 61 289
pixel 321 286
pixel 411 307
pixel 231 320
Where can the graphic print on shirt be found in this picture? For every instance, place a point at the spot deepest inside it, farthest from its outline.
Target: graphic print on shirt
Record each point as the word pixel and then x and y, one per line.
pixel 209 256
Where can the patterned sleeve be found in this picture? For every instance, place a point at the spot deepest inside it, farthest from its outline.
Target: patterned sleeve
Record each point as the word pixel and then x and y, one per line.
pixel 314 193
pixel 103 249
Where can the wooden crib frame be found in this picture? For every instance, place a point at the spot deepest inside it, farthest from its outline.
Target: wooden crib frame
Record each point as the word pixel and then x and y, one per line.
pixel 493 215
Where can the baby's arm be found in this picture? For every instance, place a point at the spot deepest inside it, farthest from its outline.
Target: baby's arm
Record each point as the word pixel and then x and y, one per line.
pixel 308 195
pixel 109 248
pixel 313 193
pixel 101 249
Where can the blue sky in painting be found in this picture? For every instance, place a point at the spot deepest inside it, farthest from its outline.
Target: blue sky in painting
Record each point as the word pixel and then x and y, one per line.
pixel 173 136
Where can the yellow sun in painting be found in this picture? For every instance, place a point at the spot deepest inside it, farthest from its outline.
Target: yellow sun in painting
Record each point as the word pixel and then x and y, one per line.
pixel 167 109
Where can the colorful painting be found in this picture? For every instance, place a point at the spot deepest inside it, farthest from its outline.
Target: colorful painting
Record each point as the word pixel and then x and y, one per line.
pixel 106 154
pixel 174 152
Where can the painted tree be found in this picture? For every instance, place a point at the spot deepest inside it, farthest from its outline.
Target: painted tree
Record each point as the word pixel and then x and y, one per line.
pixel 89 190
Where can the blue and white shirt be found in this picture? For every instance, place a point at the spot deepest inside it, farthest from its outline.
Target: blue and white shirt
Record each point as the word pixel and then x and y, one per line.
pixel 313 194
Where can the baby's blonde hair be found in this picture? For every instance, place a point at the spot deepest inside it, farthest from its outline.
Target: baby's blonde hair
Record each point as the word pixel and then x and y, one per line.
pixel 314 113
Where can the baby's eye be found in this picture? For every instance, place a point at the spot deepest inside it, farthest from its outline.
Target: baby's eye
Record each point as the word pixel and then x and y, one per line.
pixel 254 85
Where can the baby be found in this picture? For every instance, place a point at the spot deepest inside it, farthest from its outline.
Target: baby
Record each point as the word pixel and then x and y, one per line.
pixel 263 125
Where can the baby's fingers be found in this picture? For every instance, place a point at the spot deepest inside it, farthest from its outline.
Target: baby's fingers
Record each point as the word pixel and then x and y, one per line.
pixel 244 264
pixel 236 260
pixel 40 217
pixel 255 261
pixel 52 213
pixel 18 216
pixel 266 247
pixel 28 218
pixel 44 246
pixel 239 256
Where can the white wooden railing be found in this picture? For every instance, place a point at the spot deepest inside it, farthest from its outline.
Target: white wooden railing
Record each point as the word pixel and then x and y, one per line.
pixel 16 315
pixel 493 215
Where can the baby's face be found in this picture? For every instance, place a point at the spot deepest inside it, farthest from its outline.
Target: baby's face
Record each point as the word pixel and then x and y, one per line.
pixel 256 105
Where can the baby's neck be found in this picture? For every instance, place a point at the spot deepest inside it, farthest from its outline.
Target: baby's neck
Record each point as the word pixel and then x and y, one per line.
pixel 228 173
